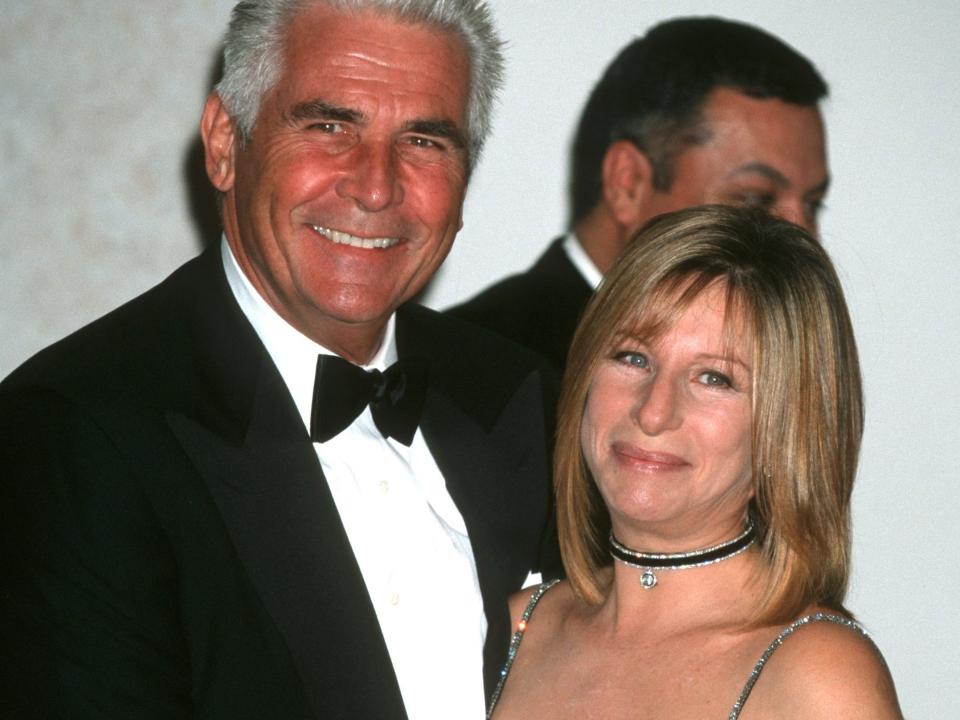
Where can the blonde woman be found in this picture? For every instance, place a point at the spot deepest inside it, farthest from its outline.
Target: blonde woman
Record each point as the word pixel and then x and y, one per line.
pixel 709 429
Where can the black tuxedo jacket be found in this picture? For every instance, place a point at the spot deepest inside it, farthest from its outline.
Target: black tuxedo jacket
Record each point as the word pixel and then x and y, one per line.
pixel 169 546
pixel 538 309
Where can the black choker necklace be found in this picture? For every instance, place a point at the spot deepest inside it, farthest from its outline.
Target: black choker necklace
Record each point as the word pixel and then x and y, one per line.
pixel 674 561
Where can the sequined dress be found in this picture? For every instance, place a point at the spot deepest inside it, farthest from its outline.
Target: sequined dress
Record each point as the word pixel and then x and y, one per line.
pixel 748 686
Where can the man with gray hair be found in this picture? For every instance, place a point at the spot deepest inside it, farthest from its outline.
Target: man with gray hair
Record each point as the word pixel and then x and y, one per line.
pixel 271 487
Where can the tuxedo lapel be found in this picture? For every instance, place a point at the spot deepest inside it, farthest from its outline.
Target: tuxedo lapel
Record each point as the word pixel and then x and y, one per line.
pixel 249 445
pixel 483 469
pixel 487 446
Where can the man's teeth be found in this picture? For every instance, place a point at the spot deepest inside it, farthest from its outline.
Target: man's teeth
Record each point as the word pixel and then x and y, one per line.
pixel 343 238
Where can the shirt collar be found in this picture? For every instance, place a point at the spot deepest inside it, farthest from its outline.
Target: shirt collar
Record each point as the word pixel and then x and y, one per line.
pixel 581 261
pixel 293 353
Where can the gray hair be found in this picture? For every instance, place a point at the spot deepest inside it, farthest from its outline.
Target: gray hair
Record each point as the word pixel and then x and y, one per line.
pixel 254 46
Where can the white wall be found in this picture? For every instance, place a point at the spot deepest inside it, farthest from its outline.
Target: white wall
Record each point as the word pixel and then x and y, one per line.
pixel 100 100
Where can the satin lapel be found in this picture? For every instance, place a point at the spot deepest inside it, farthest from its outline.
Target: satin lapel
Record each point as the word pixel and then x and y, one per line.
pixel 264 476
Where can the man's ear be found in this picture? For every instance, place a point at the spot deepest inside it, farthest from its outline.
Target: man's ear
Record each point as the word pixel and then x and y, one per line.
pixel 627 182
pixel 219 136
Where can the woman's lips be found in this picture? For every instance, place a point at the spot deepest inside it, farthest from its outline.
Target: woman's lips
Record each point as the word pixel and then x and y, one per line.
pixel 647 459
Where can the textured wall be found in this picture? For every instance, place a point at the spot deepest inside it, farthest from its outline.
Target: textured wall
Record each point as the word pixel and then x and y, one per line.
pixel 100 104
pixel 100 100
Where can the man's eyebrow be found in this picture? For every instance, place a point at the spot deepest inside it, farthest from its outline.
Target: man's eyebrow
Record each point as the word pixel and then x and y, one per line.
pixel 439 128
pixel 318 109
pixel 321 110
pixel 758 168
pixel 778 178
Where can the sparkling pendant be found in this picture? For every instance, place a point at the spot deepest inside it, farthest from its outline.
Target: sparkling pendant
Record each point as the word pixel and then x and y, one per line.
pixel 648 580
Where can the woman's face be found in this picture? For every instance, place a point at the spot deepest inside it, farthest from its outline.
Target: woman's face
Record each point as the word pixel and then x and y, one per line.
pixel 666 430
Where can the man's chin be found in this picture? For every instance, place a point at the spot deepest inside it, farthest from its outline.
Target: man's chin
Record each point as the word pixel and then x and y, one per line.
pixel 350 314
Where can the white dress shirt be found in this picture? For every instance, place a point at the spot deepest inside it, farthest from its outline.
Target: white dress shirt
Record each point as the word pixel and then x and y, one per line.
pixel 581 261
pixel 407 534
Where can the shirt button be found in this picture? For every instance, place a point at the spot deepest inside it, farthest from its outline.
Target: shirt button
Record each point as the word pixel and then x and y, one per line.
pixel 395 598
pixel 384 487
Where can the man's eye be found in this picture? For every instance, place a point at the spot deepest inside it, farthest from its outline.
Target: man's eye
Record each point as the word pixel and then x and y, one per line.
pixel 714 379
pixel 632 358
pixel 331 128
pixel 814 208
pixel 424 143
pixel 763 200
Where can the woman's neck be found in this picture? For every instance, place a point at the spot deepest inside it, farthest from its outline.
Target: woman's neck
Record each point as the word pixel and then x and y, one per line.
pixel 722 593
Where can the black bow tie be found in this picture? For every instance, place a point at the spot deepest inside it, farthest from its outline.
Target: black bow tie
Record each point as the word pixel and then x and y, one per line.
pixel 342 390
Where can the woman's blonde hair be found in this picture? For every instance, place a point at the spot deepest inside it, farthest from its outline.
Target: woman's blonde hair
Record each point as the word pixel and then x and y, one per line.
pixel 807 417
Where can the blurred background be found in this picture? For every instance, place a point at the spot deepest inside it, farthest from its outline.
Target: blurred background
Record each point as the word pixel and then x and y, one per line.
pixel 101 188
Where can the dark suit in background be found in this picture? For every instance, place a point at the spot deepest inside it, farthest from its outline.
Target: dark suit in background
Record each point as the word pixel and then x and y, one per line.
pixel 170 548
pixel 539 308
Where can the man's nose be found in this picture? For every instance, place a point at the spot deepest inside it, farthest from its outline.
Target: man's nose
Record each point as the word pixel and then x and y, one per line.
pixel 372 180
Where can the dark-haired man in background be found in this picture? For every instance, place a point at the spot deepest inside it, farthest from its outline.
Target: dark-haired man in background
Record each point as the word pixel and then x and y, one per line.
pixel 699 110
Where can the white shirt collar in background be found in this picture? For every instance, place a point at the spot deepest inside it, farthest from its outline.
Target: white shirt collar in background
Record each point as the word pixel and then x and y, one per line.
pixel 581 261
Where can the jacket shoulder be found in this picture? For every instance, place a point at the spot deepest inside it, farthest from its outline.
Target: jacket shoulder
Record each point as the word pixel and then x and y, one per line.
pixel 474 365
pixel 538 309
pixel 131 349
pixel 523 294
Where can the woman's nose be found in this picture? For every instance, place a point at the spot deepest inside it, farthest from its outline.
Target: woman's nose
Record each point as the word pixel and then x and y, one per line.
pixel 657 408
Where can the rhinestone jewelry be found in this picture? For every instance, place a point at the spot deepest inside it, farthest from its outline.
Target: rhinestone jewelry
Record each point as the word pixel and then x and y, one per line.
pixel 677 561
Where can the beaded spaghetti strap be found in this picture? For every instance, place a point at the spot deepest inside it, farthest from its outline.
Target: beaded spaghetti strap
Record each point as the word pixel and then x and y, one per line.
pixel 515 641
pixel 787 632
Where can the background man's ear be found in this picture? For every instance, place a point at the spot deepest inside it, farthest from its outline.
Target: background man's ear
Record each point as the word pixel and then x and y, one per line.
pixel 627 182
pixel 219 136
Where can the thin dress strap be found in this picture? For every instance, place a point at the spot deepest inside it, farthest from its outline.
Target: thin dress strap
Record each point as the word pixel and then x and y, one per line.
pixel 515 641
pixel 787 632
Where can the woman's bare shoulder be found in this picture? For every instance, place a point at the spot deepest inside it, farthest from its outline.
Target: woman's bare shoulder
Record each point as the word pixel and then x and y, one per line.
pixel 827 668
pixel 553 602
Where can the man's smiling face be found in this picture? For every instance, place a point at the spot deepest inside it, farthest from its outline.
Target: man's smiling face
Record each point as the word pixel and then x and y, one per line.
pixel 348 194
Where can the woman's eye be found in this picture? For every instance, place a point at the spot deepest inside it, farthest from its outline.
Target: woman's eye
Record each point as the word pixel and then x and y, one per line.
pixel 632 358
pixel 714 379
